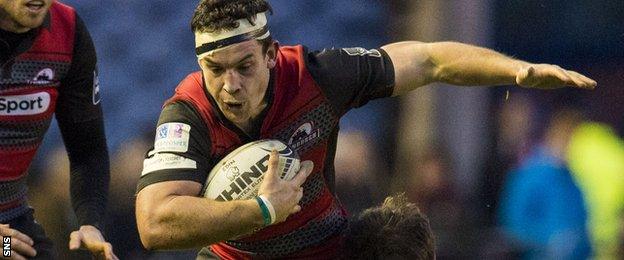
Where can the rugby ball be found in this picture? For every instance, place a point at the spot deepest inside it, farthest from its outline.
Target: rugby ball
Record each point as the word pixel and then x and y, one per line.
pixel 239 174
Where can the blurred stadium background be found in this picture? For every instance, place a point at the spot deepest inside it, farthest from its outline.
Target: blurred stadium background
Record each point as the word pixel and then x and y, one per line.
pixel 448 148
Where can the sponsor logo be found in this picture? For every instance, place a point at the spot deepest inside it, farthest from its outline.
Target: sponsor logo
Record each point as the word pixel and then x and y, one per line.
pixel 359 51
pixel 96 88
pixel 249 178
pixel 163 131
pixel 304 134
pixel 178 130
pixel 44 76
pixel 24 105
pixel 232 173
pixel 172 137
pixel 164 161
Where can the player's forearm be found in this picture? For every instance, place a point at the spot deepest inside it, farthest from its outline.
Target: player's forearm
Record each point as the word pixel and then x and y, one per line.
pixel 89 169
pixel 467 65
pixel 190 222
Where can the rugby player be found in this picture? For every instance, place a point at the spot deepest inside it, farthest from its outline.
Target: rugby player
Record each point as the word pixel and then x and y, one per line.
pixel 395 230
pixel 251 88
pixel 48 66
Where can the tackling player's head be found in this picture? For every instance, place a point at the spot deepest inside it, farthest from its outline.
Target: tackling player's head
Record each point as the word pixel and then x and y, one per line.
pixel 20 16
pixel 236 53
pixel 395 230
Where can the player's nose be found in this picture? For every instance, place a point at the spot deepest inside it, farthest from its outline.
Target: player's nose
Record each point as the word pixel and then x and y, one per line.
pixel 231 83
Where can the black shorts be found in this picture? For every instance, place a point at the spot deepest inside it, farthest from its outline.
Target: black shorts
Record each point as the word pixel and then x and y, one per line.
pixel 27 225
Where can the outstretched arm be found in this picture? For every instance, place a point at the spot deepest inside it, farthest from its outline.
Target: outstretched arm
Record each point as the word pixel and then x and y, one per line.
pixel 417 64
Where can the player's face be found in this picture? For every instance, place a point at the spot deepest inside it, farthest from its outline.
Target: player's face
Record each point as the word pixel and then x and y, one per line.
pixel 237 77
pixel 22 15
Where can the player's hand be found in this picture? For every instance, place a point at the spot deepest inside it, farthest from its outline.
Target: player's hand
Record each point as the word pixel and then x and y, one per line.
pixel 284 195
pixel 547 76
pixel 90 238
pixel 21 244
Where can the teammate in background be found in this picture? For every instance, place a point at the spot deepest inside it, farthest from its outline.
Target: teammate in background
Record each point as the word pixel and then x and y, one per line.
pixel 395 230
pixel 48 65
pixel 251 88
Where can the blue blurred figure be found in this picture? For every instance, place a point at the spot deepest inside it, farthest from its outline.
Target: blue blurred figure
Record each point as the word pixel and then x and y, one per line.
pixel 541 205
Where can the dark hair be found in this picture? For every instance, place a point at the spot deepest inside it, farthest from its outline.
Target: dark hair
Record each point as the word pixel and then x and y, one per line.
pixel 397 229
pixel 219 15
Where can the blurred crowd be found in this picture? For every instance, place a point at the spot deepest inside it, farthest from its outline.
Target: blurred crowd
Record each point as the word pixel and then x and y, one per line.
pixel 551 185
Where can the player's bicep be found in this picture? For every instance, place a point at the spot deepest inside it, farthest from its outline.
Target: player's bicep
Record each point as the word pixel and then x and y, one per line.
pixel 151 202
pixel 160 192
pixel 412 66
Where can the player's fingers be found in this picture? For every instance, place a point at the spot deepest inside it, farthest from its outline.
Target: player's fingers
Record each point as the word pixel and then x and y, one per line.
pixel 304 171
pixel 273 165
pixel 19 236
pixel 295 209
pixel 561 75
pixel 16 256
pixel 108 252
pixel 588 83
pixel 573 79
pixel 300 194
pixel 113 256
pixel 75 239
pixel 23 248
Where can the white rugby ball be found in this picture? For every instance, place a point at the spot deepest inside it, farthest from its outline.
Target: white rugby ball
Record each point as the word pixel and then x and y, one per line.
pixel 239 174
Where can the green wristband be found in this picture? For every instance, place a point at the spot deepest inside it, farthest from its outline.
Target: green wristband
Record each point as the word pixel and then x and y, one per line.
pixel 265 211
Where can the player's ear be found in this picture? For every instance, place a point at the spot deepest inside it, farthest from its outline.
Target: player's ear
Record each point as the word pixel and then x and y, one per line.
pixel 272 55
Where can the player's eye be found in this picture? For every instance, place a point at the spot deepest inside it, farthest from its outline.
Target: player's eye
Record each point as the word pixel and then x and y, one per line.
pixel 245 67
pixel 215 70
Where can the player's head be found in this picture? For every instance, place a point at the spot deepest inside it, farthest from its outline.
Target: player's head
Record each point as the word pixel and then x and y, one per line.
pixel 20 16
pixel 395 230
pixel 236 53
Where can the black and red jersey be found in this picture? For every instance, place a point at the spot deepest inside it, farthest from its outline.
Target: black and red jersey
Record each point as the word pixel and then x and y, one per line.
pixel 50 69
pixel 307 94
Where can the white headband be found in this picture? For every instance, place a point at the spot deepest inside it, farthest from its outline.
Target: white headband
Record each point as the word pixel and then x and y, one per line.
pixel 205 42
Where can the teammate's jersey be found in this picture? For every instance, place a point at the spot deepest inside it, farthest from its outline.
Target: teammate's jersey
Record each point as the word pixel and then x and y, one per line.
pixel 307 94
pixel 46 70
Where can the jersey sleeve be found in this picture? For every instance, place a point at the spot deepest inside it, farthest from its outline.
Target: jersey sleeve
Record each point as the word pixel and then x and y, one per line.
pixel 350 77
pixel 181 148
pixel 79 93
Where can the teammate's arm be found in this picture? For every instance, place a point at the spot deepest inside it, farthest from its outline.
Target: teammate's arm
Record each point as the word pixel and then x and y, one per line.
pixel 80 120
pixel 417 64
pixel 171 216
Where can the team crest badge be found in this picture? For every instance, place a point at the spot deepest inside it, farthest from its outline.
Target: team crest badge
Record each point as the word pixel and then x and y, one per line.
pixel 304 134
pixel 44 76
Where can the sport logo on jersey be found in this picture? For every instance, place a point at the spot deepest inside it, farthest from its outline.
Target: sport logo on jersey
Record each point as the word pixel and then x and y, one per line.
pixel 359 51
pixel 304 134
pixel 96 88
pixel 172 137
pixel 24 105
